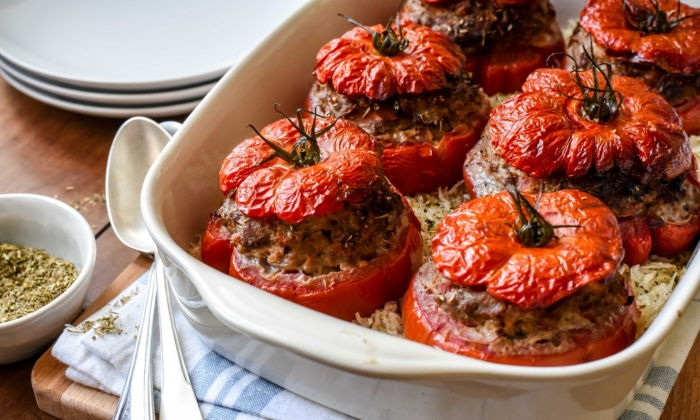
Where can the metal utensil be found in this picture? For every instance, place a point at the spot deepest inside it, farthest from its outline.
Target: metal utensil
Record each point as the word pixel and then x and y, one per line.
pixel 136 146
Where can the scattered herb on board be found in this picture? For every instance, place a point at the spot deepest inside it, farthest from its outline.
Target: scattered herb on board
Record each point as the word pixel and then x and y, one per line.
pixel 30 279
pixel 101 326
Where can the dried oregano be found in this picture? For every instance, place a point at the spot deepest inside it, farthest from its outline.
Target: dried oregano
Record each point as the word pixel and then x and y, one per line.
pixel 29 279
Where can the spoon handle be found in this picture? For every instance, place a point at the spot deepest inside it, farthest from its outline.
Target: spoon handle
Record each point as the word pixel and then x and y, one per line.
pixel 177 396
pixel 138 387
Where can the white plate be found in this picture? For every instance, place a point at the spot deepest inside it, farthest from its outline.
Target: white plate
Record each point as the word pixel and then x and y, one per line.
pixel 107 98
pixel 135 44
pixel 163 110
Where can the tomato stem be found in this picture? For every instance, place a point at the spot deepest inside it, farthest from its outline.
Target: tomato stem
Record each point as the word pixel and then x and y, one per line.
pixel 654 20
pixel 389 42
pixel 600 103
pixel 305 152
pixel 533 230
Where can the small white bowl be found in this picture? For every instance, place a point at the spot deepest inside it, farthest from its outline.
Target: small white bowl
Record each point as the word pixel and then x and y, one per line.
pixel 44 223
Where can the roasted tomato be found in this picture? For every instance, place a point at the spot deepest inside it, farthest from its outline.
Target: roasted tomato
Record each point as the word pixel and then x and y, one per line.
pixel 689 111
pixel 636 238
pixel 504 41
pixel 657 42
pixel 404 85
pixel 216 245
pixel 506 71
pixel 549 129
pixel 541 289
pixel 313 219
pixel 670 239
pixel 601 133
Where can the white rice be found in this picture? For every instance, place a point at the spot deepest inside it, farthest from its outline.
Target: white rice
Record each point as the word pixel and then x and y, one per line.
pixel 653 283
pixel 387 320
pixel 568 30
pixel 431 208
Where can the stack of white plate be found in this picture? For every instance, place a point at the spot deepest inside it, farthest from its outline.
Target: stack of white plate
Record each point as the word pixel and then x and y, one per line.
pixel 129 57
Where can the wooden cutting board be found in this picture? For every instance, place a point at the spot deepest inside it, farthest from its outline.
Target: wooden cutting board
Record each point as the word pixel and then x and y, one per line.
pixel 59 396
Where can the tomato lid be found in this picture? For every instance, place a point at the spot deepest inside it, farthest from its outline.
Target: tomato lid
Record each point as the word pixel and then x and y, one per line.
pixel 543 131
pixel 356 67
pixel 664 33
pixel 270 177
pixel 482 243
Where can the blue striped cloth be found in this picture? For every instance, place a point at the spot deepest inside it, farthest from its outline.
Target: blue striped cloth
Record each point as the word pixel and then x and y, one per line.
pixel 226 391
pixel 650 398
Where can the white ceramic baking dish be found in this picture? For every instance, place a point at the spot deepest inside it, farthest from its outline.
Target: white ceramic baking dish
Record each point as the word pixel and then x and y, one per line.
pixel 360 372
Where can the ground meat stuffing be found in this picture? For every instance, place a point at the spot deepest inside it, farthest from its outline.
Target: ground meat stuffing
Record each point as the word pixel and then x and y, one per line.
pixel 480 25
pixel 508 329
pixel 626 195
pixel 676 88
pixel 320 245
pixel 405 119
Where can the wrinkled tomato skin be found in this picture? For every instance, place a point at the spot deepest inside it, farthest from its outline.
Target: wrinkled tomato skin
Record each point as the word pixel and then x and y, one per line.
pixel 690 116
pixel 669 240
pixel 474 246
pixel 423 328
pixel 216 245
pixel 506 71
pixel 636 239
pixel 421 168
pixel 360 290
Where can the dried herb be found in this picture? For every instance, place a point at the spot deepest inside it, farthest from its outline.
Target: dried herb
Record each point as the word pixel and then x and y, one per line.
pixel 101 326
pixel 30 279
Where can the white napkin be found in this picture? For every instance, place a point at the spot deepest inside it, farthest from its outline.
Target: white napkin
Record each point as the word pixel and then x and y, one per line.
pixel 225 390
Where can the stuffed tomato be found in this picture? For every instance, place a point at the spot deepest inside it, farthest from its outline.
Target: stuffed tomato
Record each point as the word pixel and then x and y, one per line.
pixel 511 283
pixel 310 217
pixel 657 42
pixel 504 40
pixel 405 85
pixel 608 135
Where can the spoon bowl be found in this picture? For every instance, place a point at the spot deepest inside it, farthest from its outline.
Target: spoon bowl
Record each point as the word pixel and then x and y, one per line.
pixel 136 146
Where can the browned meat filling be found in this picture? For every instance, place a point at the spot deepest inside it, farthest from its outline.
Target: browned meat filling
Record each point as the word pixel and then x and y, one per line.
pixel 320 245
pixel 676 88
pixel 510 329
pixel 404 119
pixel 480 25
pixel 625 194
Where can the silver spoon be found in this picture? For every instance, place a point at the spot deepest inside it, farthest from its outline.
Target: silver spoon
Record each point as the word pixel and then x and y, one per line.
pixel 136 146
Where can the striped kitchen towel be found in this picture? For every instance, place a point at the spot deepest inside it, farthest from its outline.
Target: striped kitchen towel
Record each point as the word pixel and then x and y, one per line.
pixel 227 391
pixel 650 398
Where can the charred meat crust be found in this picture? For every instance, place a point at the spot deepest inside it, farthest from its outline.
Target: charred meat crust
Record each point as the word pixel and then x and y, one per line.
pixel 676 88
pixel 406 119
pixel 480 25
pixel 510 330
pixel 319 245
pixel 626 195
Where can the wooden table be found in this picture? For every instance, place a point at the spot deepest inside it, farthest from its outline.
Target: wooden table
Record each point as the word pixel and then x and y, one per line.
pixel 44 150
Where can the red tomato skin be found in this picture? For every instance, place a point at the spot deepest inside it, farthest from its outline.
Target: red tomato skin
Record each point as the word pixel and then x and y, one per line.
pixel 354 68
pixel 421 168
pixel 361 290
pixel 350 165
pixel 417 327
pixel 216 245
pixel 690 116
pixel 506 71
pixel 669 240
pixel 559 139
pixel 677 51
pixel 636 239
